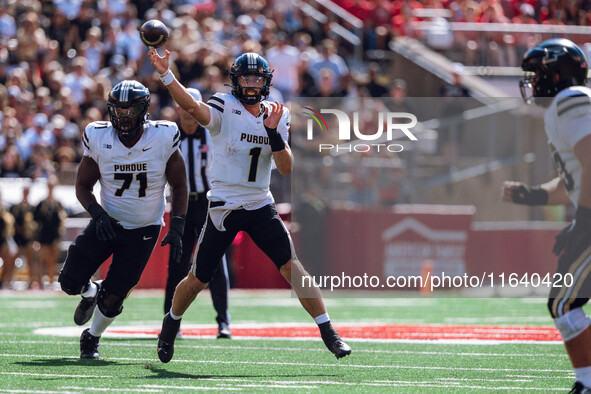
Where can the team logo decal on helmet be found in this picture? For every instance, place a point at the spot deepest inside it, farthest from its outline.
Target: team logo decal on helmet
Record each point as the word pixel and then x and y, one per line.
pixel 251 78
pixel 551 66
pixel 128 106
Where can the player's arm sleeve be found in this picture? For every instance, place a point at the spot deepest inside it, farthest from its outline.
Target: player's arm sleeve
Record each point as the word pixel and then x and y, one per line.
pixel 88 143
pixel 576 129
pixel 284 124
pixel 174 142
pixel 216 110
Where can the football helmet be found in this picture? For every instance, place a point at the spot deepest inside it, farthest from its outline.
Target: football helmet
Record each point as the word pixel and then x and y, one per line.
pixel 551 66
pixel 251 78
pixel 128 106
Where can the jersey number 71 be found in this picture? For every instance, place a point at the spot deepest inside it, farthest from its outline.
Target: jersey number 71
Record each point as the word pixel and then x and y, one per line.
pixel 127 178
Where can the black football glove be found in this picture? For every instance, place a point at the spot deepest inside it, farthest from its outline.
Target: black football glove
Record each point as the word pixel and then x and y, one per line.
pixel 106 226
pixel 560 241
pixel 575 238
pixel 527 195
pixel 174 238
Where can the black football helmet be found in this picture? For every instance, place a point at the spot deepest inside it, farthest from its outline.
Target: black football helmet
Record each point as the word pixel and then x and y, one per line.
pixel 551 66
pixel 252 90
pixel 128 106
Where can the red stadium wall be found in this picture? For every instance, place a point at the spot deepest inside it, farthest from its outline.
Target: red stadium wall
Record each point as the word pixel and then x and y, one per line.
pixel 397 241
pixel 507 248
pixel 393 242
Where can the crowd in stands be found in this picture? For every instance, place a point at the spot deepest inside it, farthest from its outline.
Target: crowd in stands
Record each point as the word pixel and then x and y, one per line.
pixel 59 59
pixel 398 13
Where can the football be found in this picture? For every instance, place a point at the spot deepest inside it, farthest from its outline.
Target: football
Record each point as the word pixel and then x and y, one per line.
pixel 153 33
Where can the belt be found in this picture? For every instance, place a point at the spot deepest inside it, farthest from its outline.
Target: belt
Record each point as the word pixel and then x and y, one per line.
pixel 194 196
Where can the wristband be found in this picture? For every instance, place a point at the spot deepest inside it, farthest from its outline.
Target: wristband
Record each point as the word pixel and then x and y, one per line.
pixel 95 210
pixel 275 140
pixel 167 78
pixel 177 224
pixel 529 195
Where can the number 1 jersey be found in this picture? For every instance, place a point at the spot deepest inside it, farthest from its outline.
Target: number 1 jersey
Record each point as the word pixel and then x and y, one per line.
pixel 240 171
pixel 132 179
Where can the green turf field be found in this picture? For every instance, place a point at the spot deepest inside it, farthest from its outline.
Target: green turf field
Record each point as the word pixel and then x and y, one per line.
pixel 30 362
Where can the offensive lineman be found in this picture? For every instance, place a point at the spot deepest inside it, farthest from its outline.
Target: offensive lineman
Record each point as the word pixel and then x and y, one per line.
pixel 132 158
pixel 247 133
pixel 557 77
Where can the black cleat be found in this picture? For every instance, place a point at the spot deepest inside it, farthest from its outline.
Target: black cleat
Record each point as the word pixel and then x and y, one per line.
pixel 333 341
pixel 89 345
pixel 224 331
pixel 338 347
pixel 580 388
pixel 85 308
pixel 170 327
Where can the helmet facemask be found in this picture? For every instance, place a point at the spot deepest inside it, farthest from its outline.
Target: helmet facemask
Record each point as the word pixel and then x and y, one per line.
pixel 127 120
pixel 252 87
pixel 526 87
pixel 128 115
pixel 251 78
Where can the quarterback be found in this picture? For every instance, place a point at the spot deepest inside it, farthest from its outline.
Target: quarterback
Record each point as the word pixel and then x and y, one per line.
pixel 247 134
pixel 556 75
pixel 132 158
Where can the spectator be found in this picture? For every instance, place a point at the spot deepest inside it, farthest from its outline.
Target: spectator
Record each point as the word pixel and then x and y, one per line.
pixel 31 38
pixel 49 215
pixel 6 249
pixel 25 228
pixel 375 88
pixel 79 81
pixel 117 70
pixel 129 44
pixel 35 137
pixel 7 22
pixel 12 163
pixel 93 50
pixel 284 59
pixel 328 59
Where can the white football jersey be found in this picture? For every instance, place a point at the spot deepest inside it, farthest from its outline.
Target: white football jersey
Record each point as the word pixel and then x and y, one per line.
pixel 132 179
pixel 240 171
pixel 567 121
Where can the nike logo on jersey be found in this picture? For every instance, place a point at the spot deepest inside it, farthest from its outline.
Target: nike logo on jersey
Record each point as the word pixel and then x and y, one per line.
pixel 255 139
pixel 147 238
pixel 145 149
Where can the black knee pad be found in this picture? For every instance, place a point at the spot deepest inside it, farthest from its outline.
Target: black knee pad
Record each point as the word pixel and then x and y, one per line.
pixel 70 286
pixel 110 305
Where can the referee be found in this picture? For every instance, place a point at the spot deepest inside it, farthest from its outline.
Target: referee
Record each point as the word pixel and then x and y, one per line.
pixel 194 146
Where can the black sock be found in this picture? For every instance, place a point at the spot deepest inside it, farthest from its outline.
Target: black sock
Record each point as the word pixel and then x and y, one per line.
pixel 327 333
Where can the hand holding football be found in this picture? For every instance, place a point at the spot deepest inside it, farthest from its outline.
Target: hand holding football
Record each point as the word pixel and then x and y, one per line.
pixel 153 33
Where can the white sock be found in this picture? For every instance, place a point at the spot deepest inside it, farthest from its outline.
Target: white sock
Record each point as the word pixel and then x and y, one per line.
pixel 583 375
pixel 174 317
pixel 90 291
pixel 100 322
pixel 322 318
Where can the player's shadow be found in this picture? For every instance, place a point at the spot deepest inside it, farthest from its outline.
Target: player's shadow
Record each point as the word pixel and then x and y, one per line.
pixel 67 362
pixel 160 373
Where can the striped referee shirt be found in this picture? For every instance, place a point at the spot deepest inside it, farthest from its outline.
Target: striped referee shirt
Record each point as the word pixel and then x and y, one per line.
pixel 195 149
